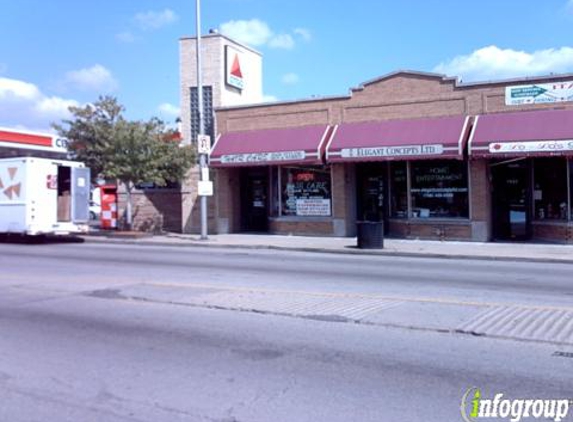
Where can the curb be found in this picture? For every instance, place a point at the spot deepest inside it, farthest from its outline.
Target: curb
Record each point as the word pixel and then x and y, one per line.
pixel 348 251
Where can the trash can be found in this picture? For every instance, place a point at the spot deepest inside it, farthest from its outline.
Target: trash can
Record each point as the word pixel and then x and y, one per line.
pixel 370 234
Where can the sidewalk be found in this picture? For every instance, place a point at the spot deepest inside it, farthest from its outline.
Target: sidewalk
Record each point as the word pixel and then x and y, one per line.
pixel 346 245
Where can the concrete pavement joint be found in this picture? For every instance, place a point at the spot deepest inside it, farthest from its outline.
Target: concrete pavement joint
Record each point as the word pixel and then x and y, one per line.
pixel 505 322
pixel 348 320
pixel 359 296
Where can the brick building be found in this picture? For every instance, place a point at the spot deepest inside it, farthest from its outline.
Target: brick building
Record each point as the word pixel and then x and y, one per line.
pixel 231 75
pixel 429 156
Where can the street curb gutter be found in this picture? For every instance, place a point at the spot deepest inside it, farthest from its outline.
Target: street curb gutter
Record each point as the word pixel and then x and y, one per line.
pixel 348 251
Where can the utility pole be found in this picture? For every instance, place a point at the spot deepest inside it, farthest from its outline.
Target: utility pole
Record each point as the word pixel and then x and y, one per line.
pixel 204 170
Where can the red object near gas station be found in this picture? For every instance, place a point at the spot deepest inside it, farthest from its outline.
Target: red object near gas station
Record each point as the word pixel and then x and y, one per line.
pixel 108 207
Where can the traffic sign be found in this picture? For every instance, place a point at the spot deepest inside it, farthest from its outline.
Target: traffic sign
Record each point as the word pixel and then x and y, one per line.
pixel 203 144
pixel 205 188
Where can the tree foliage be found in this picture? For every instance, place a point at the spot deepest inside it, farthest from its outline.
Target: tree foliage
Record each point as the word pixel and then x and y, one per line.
pixel 91 132
pixel 133 152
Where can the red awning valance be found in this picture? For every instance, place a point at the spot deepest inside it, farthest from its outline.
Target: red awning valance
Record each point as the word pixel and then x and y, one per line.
pixel 270 147
pixel 525 133
pixel 412 139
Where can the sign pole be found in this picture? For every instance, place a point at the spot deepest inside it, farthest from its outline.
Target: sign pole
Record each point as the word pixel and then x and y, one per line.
pixel 202 156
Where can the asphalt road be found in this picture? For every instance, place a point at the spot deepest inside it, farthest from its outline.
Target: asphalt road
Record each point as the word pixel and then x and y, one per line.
pixel 66 355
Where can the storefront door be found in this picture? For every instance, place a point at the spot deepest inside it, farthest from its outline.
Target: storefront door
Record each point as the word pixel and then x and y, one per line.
pixel 511 190
pixel 254 199
pixel 372 192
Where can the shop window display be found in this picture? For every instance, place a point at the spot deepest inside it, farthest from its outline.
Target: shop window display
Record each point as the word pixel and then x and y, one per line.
pixel 439 189
pixel 306 191
pixel 550 189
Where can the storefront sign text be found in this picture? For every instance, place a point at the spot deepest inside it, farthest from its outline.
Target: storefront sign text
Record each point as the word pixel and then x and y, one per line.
pixel 313 207
pixel 396 151
pixel 264 157
pixel 539 93
pixel 60 144
pixel 530 146
pixel 306 192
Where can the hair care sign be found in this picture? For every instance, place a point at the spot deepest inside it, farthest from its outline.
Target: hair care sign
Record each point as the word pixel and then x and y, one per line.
pixel 264 157
pixel 306 192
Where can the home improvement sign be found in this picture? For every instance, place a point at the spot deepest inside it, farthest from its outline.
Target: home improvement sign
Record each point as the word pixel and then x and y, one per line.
pixel 539 93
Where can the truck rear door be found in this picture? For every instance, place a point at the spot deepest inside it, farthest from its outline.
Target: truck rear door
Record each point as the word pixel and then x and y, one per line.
pixel 80 194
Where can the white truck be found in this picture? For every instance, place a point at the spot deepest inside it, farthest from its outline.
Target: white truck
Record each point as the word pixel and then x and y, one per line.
pixel 43 196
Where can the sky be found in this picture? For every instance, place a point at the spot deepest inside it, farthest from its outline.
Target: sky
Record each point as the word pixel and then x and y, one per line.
pixel 60 53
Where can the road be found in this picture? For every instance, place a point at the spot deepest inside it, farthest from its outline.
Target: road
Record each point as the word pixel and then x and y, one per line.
pixel 69 355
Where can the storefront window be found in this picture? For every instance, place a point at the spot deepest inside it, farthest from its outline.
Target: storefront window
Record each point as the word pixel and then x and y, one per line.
pixel 274 202
pixel 550 188
pixel 439 189
pixel 399 190
pixel 306 191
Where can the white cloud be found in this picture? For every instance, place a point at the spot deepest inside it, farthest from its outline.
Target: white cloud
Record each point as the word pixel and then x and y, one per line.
pixel 290 79
pixel 95 78
pixel 305 34
pixel 155 20
pixel 253 32
pixel 125 37
pixel 55 106
pixel 15 89
pixel 169 111
pixel 23 105
pixel 256 33
pixel 285 41
pixel 495 63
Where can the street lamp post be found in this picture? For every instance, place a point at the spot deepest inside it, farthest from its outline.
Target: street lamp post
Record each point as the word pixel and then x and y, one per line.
pixel 202 157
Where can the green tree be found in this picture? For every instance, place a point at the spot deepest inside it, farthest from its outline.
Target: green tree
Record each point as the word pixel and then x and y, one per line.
pixel 91 132
pixel 132 152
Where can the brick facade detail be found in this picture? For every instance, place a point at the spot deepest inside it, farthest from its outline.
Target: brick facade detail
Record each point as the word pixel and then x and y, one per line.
pixel 401 95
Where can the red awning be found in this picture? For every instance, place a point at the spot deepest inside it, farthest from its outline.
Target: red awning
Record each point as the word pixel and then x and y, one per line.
pixel 525 133
pixel 270 147
pixel 417 139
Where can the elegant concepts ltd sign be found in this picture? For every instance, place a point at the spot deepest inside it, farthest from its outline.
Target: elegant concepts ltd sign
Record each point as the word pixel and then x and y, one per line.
pixel 393 151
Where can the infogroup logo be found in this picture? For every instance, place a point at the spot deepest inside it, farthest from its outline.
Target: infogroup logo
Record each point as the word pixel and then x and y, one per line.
pixel 474 407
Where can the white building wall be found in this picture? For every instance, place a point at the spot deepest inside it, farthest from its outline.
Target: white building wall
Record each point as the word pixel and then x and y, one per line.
pixel 213 67
pixel 252 70
pixel 213 74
